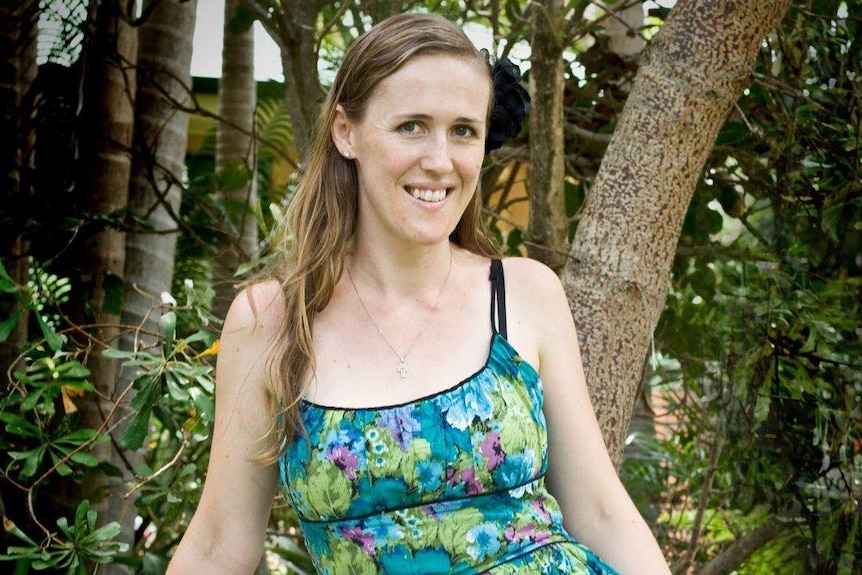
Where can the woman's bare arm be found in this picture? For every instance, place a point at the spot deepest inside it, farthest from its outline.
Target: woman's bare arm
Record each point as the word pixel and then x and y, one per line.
pixel 597 510
pixel 227 532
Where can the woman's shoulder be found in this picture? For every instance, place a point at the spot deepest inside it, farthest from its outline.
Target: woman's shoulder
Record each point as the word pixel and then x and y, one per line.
pixel 530 275
pixel 258 309
pixel 534 294
pixel 536 305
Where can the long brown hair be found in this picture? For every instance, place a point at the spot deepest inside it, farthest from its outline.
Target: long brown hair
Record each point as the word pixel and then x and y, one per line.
pixel 320 220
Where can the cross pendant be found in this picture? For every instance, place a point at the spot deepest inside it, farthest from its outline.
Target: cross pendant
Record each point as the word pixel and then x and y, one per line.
pixel 402 369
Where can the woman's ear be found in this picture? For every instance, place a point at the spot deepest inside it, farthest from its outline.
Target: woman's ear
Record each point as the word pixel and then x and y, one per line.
pixel 342 132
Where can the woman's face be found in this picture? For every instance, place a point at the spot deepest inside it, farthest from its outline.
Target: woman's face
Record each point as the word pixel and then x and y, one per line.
pixel 418 149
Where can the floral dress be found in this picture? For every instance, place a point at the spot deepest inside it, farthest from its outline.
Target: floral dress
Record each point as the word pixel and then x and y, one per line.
pixel 448 483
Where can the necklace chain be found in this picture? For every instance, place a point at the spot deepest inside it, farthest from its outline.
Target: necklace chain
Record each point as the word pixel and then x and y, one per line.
pixel 402 359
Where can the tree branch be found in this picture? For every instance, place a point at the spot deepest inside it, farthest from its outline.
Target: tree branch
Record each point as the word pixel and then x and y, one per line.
pixel 742 548
pixel 584 134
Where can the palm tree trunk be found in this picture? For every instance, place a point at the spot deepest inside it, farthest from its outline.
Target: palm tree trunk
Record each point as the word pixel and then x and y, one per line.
pixel 235 150
pixel 616 278
pixel 161 135
pixel 160 139
pixel 106 160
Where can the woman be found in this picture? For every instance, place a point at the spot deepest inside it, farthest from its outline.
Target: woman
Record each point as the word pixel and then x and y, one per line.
pixel 345 373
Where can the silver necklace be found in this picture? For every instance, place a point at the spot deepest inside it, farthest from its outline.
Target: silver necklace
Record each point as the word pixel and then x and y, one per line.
pixel 402 359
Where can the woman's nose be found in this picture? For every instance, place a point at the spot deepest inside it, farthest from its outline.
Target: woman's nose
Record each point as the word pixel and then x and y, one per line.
pixel 437 155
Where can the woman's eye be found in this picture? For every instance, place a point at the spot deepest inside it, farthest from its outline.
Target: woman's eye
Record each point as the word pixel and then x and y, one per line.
pixel 464 132
pixel 409 127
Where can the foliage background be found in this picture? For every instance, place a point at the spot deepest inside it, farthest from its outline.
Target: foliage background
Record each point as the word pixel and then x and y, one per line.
pixel 750 420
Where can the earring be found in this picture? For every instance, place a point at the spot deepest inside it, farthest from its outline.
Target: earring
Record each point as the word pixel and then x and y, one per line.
pixel 347 154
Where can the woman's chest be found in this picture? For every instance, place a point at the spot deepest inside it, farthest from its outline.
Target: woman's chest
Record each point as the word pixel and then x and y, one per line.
pixel 483 435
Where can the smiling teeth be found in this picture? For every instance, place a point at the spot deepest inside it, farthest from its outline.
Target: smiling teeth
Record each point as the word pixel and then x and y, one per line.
pixel 429 195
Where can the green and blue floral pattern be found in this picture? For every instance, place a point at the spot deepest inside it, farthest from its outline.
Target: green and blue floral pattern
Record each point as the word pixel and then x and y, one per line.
pixel 449 483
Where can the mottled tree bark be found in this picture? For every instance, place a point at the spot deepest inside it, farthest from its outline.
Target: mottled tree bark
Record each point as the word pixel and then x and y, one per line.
pixel 235 150
pixel 617 275
pixel 547 234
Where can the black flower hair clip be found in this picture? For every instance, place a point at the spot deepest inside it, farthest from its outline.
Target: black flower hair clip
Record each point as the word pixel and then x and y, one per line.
pixel 511 103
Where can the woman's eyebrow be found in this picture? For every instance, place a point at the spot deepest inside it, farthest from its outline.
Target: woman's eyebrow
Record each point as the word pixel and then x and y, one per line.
pixel 427 117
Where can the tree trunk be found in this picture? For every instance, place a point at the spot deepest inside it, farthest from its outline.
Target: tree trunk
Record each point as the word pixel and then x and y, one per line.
pixel 18 55
pixel 235 151
pixel 299 64
pixel 105 144
pixel 17 74
pixel 623 30
pixel 548 226
pixel 161 134
pixel 106 150
pixel 160 139
pixel 616 278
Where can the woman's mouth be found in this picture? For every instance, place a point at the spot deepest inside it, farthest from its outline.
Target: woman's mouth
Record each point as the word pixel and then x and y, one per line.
pixel 427 195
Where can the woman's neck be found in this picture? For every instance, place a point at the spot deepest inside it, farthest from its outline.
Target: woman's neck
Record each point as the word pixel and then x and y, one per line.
pixel 400 272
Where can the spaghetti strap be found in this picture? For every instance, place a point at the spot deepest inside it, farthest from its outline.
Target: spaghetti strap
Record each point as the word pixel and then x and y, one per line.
pixel 498 298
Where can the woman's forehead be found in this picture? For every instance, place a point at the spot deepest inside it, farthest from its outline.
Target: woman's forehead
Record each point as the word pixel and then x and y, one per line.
pixel 435 81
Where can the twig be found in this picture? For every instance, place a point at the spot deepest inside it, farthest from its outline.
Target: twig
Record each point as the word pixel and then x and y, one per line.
pixel 163 468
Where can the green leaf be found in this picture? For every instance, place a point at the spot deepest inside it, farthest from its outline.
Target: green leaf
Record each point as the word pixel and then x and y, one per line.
pixel 16 531
pixel 7 284
pixel 234 176
pixel 80 436
pixel 246 267
pixel 32 461
pixel 106 532
pixel 85 459
pixel 17 425
pixel 811 343
pixel 761 408
pixel 196 337
pixel 119 354
pixel 514 242
pixel 149 392
pixel 52 338
pixel 7 326
pixel 74 370
pixel 175 388
pixel 32 399
pixel 81 512
pixel 169 329
pixel 205 406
